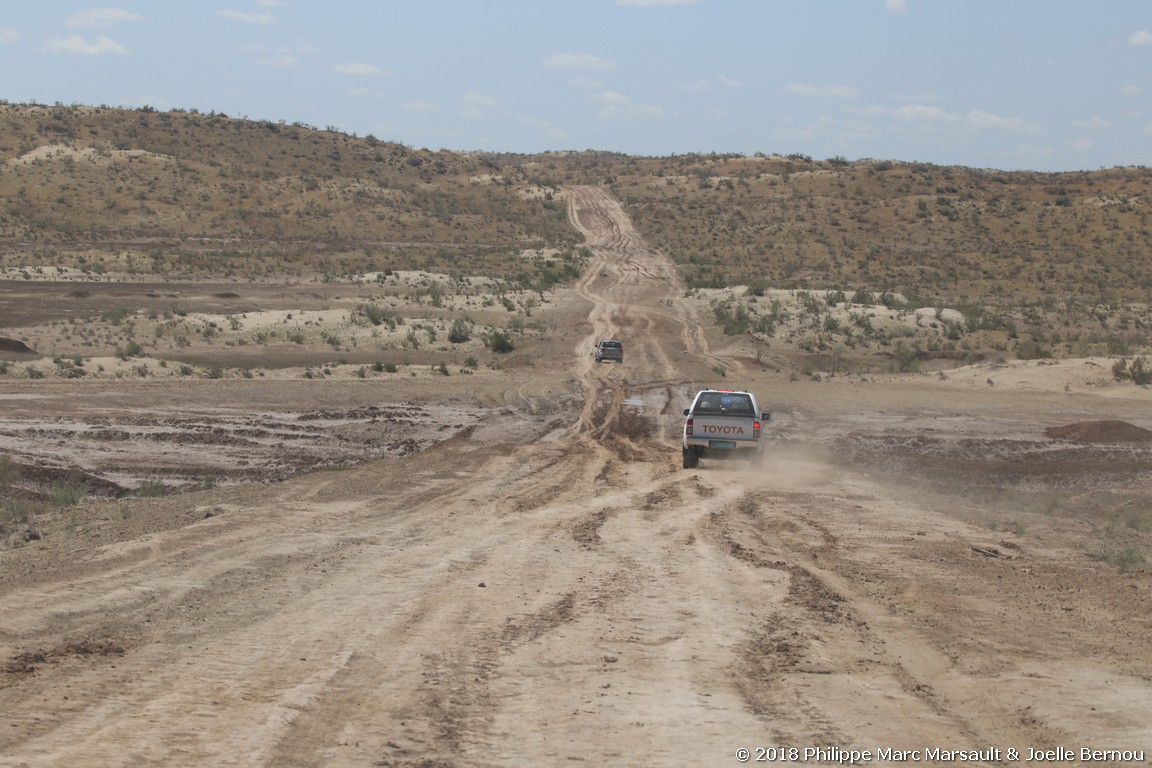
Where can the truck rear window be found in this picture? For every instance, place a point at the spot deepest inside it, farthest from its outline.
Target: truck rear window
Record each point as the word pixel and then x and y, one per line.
pixel 724 404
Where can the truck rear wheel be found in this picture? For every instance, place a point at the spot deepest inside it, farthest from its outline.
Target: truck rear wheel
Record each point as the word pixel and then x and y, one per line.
pixel 691 460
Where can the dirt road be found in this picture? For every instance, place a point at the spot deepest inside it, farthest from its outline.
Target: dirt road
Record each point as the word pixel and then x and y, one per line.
pixel 558 591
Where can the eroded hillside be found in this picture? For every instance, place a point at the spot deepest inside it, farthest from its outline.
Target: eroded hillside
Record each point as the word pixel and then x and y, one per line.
pixel 975 264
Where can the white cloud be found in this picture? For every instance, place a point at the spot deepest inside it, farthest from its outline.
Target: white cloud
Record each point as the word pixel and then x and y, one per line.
pixel 653 3
pixel 917 97
pixel 980 119
pixel 822 91
pixel 1092 122
pixel 480 100
pixel 552 132
pixel 585 82
pixel 278 50
pixel 100 18
pixel 74 44
pixel 421 106
pixel 921 113
pixel 279 56
pixel 731 82
pixel 1029 150
pixel 9 35
pixel 577 61
pixel 614 104
pixel 860 130
pixel 895 6
pixel 477 105
pixel 1142 37
pixel 360 70
pixel 271 3
pixel 695 87
pixel 249 17
pixel 1130 90
pixel 279 61
pixel 1082 145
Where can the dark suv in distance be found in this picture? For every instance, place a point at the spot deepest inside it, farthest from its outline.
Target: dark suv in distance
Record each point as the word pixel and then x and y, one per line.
pixel 609 349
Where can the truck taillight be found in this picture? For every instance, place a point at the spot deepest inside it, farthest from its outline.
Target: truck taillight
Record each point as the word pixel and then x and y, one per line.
pixel 756 430
pixel 688 427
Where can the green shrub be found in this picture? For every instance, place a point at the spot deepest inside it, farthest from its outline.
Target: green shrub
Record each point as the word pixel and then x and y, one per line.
pixel 1140 372
pixel 735 321
pixel 500 342
pixel 115 316
pixel 67 494
pixel 131 349
pixel 12 512
pixel 905 359
pixel 461 331
pixel 9 472
pixel 1032 350
pixel 1124 558
pixel 378 316
pixel 152 489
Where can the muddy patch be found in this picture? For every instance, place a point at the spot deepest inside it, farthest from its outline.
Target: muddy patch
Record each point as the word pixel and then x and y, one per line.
pixel 1065 463
pixel 173 449
pixel 15 347
pixel 1107 431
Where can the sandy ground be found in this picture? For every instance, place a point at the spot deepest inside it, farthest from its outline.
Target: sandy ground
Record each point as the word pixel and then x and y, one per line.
pixel 510 568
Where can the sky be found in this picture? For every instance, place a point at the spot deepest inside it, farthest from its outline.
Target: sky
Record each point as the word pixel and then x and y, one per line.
pixel 1042 85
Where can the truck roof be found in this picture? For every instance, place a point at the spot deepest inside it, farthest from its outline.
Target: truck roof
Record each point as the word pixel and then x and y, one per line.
pixel 724 402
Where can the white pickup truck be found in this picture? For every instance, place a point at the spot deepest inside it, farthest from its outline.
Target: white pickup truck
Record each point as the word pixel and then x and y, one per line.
pixel 723 424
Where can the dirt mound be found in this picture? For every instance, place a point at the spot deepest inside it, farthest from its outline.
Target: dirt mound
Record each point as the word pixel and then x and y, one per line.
pixel 1101 432
pixel 12 345
pixel 44 478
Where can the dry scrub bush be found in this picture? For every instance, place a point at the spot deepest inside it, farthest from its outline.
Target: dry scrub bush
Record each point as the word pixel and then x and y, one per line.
pixel 634 425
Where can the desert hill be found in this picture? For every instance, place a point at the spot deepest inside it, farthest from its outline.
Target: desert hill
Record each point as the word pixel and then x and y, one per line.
pixel 1033 264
